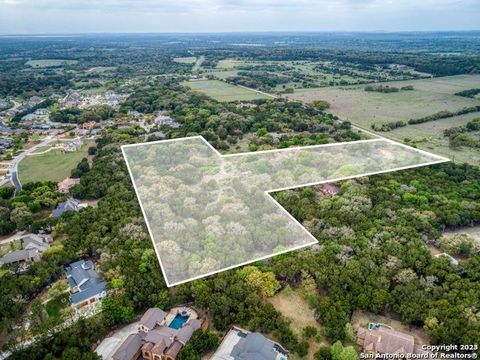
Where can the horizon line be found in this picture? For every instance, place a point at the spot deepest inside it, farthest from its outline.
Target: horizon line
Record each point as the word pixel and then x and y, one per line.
pixel 239 32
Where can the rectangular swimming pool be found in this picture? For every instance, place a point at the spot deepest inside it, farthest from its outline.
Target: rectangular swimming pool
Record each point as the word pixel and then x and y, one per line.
pixel 178 321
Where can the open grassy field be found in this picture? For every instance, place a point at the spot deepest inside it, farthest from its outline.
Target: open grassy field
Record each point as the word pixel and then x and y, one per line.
pixel 429 136
pixel 288 304
pixel 223 91
pixel 49 63
pixel 185 60
pixel 54 165
pixel 366 108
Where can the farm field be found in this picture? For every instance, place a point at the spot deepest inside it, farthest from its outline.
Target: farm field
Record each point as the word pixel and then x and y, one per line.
pixel 54 165
pixel 45 63
pixel 223 91
pixel 429 136
pixel 366 108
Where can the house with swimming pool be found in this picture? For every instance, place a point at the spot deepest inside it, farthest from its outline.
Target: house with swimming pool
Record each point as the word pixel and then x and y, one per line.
pixel 160 335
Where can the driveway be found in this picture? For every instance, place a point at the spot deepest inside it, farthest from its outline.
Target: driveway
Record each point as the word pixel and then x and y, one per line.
pixel 109 345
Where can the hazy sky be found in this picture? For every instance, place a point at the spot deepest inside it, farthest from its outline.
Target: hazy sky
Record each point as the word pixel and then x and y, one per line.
pixel 78 16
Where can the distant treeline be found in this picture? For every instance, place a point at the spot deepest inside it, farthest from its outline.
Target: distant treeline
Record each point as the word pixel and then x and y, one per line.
pixel 437 116
pixel 386 88
pixel 435 64
pixel 471 93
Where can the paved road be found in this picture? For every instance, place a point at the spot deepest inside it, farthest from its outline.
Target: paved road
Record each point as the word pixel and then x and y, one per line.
pixel 258 91
pixel 12 173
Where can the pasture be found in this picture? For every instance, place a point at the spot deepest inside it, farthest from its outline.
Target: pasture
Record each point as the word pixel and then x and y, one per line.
pixel 429 96
pixel 365 108
pixel 429 136
pixel 223 91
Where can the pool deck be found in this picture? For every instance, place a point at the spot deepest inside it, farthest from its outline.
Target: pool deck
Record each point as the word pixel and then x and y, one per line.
pixel 192 314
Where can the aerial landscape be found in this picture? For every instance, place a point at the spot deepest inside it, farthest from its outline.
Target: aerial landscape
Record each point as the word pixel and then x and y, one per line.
pixel 183 188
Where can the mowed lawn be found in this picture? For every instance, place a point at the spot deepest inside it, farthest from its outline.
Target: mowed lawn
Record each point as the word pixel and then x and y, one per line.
pixel 54 165
pixel 366 108
pixel 223 91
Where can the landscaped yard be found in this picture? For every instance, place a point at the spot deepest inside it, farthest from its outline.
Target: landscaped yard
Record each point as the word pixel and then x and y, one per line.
pixel 223 91
pixel 54 165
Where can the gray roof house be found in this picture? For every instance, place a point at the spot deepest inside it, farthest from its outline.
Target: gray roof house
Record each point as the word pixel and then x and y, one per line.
pixel 34 241
pixel 19 256
pixel 240 344
pixel 69 205
pixel 130 348
pixel 86 286
pixel 32 248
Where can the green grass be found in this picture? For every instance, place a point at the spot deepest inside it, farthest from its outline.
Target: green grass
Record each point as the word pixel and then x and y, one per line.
pixel 49 63
pixel 54 307
pixel 52 166
pixel 223 91
pixel 185 60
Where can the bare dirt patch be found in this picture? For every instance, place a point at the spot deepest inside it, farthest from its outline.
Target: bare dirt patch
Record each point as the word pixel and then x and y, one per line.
pixel 294 307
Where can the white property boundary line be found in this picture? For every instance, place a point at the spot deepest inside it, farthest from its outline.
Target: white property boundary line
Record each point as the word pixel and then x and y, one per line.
pixel 441 159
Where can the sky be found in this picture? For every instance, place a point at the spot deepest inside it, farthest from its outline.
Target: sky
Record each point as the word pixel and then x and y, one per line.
pixel 125 16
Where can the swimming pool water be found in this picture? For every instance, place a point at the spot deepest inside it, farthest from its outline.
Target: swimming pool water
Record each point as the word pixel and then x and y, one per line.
pixel 178 321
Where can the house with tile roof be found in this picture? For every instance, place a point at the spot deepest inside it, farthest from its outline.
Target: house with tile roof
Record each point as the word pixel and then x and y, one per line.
pixel 160 335
pixel 153 317
pixel 130 348
pixel 380 339
pixel 86 286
